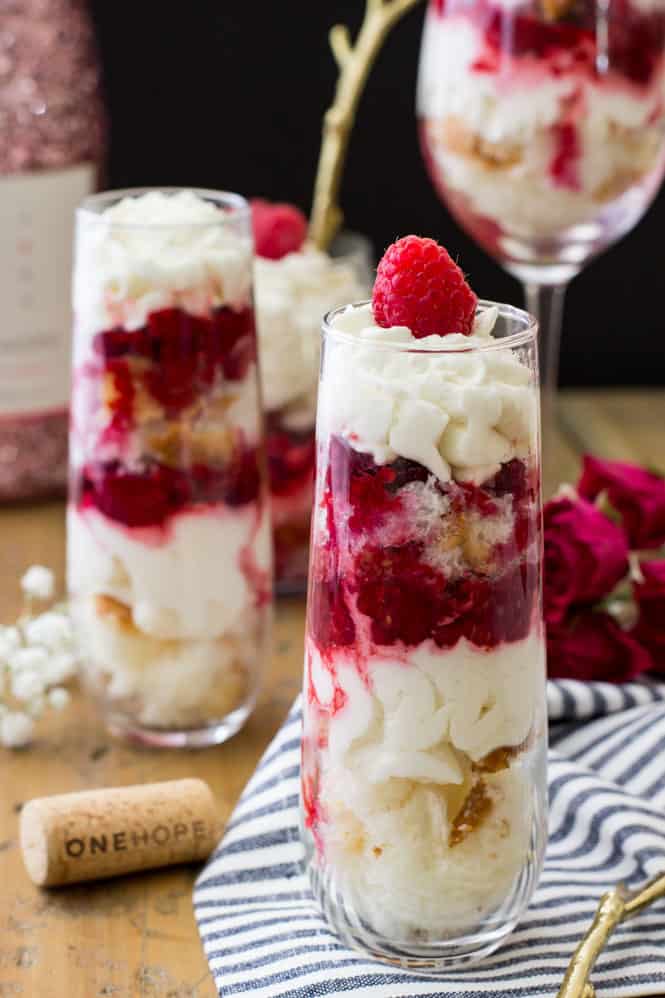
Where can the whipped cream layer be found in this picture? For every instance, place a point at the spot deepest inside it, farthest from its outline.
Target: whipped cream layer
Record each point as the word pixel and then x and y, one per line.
pixel 190 580
pixel 407 715
pixel 399 764
pixel 156 251
pixel 460 413
pixel 292 296
pixel 491 134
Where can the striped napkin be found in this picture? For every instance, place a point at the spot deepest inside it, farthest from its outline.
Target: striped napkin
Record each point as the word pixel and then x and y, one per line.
pixel 264 936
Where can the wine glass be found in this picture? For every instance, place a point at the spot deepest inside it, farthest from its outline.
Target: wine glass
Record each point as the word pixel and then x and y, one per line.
pixel 542 123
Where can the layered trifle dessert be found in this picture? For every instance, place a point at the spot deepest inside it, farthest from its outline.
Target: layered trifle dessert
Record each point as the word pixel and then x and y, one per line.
pixel 169 555
pixel 538 116
pixel 296 284
pixel 423 784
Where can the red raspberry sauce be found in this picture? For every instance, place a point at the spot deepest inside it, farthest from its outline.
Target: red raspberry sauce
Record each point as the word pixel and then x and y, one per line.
pixel 393 591
pixel 184 354
pixel 149 497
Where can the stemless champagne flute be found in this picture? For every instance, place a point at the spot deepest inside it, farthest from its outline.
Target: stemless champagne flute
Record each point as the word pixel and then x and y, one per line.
pixel 168 527
pixel 424 735
pixel 542 125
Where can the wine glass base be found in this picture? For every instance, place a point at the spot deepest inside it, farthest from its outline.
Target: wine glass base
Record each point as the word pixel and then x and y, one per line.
pixel 121 726
pixel 458 953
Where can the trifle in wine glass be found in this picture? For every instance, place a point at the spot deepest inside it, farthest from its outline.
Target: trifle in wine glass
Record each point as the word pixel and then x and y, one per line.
pixel 542 123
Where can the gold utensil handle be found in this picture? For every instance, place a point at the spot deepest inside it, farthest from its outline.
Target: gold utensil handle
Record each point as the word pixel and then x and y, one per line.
pixel 615 907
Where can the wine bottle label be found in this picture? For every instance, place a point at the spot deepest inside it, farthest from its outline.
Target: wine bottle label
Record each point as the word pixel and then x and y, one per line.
pixel 36 234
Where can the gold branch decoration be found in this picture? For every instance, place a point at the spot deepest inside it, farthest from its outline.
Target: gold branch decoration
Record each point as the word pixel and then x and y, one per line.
pixel 355 63
pixel 614 907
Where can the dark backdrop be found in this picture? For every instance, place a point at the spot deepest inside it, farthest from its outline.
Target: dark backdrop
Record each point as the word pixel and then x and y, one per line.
pixel 230 94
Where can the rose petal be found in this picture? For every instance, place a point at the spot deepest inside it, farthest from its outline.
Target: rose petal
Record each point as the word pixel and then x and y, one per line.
pixel 637 494
pixel 592 646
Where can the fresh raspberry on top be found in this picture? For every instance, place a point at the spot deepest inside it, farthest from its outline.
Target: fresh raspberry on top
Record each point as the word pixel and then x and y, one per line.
pixel 278 228
pixel 418 285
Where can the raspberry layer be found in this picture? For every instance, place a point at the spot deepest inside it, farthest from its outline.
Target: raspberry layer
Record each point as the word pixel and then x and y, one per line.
pixel 291 458
pixel 423 586
pixel 635 36
pixel 153 494
pixel 183 355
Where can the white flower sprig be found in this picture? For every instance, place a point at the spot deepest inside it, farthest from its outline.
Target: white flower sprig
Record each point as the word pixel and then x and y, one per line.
pixel 37 656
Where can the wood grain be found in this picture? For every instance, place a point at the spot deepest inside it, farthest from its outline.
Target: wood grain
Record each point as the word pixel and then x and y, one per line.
pixel 136 937
pixel 623 425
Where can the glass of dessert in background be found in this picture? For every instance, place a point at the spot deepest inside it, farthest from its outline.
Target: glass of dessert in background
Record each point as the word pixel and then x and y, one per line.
pixel 169 553
pixel 543 125
pixel 296 285
pixel 424 735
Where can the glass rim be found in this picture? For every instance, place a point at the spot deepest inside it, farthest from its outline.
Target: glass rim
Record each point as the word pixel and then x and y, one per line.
pixel 92 207
pixel 527 335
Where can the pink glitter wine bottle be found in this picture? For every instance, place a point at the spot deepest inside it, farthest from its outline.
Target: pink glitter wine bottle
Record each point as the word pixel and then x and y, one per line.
pixel 51 147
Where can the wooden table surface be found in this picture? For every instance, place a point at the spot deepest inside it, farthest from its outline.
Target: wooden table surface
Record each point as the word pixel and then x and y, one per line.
pixel 136 936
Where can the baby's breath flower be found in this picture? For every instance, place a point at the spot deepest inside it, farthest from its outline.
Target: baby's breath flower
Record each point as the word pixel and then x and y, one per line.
pixel 28 658
pixel 27 684
pixel 51 629
pixel 10 640
pixel 38 582
pixel 60 668
pixel 36 658
pixel 16 729
pixel 58 697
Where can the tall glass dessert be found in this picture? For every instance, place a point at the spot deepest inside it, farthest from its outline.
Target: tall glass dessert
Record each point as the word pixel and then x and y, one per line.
pixel 423 764
pixel 169 555
pixel 295 285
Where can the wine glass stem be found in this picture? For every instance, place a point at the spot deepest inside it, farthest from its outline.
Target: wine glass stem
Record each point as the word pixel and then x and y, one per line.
pixel 545 301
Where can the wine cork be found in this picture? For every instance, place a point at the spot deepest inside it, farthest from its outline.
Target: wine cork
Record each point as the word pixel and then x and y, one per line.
pixel 105 833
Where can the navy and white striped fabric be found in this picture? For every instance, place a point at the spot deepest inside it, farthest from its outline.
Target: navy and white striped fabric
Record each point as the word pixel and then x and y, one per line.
pixel 264 935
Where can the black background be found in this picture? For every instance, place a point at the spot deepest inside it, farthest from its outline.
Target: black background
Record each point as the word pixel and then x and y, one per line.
pixel 230 94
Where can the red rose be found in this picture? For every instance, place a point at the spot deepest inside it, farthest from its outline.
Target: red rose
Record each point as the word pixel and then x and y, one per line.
pixel 586 555
pixel 638 495
pixel 591 645
pixel 650 597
